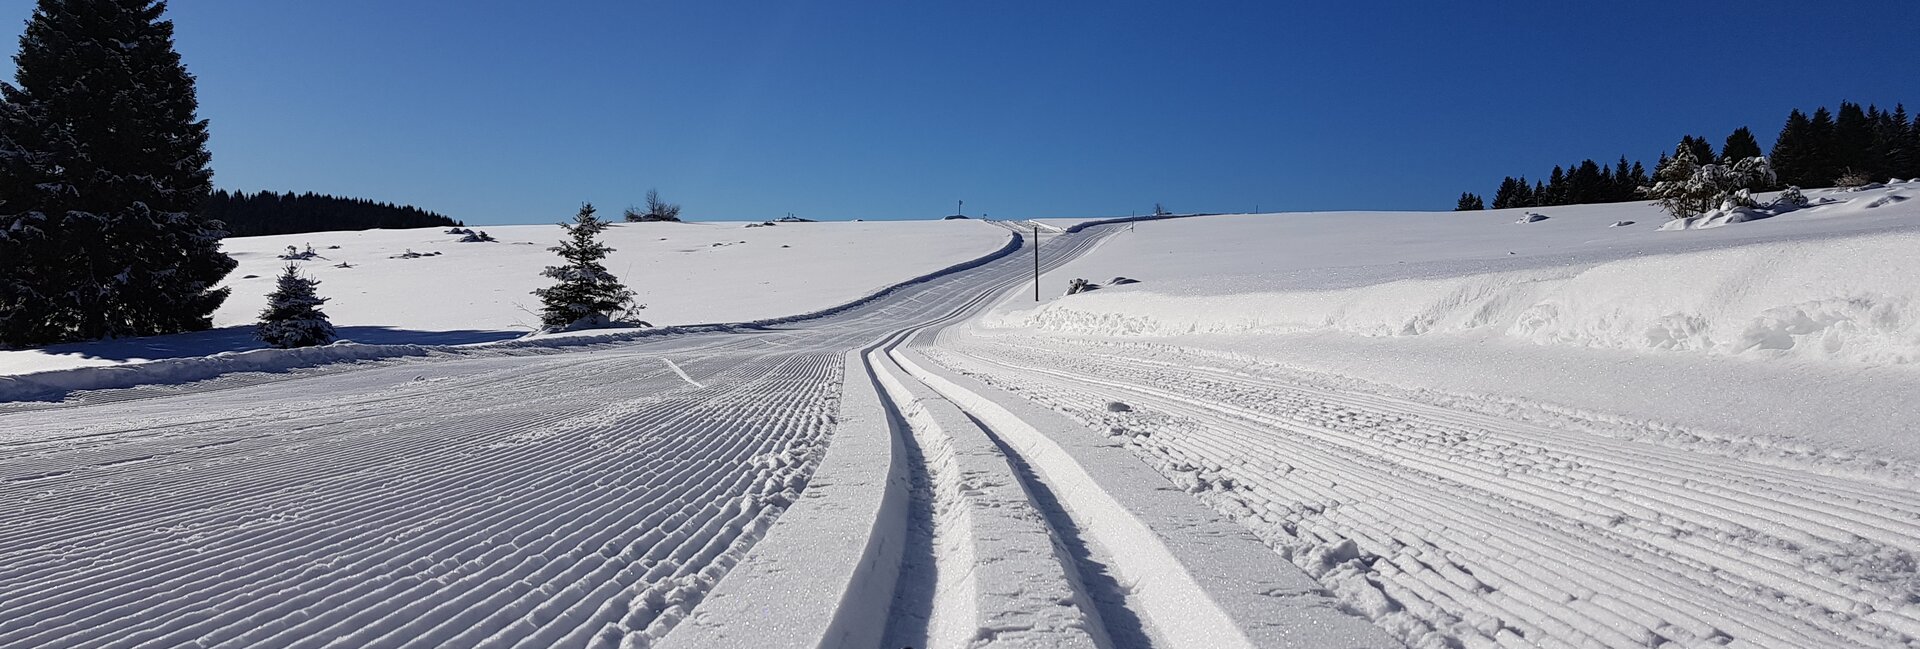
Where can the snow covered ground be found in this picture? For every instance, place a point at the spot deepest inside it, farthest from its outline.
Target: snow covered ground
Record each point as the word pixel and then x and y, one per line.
pixel 1481 429
pixel 808 484
pixel 686 273
pixel 1701 327
pixel 1434 430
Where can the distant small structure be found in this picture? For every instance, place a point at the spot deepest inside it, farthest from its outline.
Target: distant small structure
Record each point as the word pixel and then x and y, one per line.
pixel 955 217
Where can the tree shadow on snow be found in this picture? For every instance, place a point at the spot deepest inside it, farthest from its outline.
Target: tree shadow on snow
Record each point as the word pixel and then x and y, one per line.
pixel 240 338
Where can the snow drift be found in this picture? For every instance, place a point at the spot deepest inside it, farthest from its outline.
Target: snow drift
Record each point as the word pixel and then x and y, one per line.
pixel 1850 299
pixel 1835 281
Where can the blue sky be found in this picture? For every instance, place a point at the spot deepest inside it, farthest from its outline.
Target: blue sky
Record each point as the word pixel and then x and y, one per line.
pixel 514 112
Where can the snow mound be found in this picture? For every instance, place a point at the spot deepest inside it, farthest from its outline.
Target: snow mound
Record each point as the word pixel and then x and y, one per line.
pixel 1849 299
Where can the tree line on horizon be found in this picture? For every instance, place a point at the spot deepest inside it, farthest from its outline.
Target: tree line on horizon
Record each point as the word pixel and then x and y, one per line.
pixel 1850 146
pixel 268 212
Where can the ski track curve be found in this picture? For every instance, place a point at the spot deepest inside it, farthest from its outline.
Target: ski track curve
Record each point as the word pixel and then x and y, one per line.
pixel 1453 528
pixel 580 497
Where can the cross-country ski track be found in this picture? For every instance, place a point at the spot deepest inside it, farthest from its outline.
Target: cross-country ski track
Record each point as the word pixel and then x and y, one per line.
pixel 876 477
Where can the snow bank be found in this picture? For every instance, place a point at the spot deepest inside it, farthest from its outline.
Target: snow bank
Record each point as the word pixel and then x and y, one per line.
pixel 1835 281
pixel 57 383
pixel 1854 299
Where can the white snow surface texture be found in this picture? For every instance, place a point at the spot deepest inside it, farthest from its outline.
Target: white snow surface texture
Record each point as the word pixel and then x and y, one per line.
pixel 1434 430
pixel 1482 430
pixel 1823 302
pixel 685 273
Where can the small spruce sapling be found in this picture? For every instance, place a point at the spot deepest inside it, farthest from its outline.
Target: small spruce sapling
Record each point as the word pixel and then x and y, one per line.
pixel 293 317
pixel 585 295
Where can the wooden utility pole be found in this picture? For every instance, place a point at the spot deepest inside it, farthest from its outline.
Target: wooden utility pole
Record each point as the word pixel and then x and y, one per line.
pixel 1036 263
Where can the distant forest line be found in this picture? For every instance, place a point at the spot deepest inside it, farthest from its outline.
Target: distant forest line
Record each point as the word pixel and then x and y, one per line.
pixel 266 212
pixel 1825 148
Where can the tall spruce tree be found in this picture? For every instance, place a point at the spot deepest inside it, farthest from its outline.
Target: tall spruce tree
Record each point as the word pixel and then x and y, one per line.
pixel 1556 193
pixel 105 166
pixel 1740 145
pixel 1702 151
pixel 1887 148
pixel 1826 167
pixel 1909 149
pixel 1852 135
pixel 1504 197
pixel 1794 158
pixel 1624 182
pixel 1584 184
pixel 585 295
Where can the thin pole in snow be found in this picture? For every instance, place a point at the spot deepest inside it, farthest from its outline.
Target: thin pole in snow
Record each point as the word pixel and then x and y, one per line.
pixel 1036 263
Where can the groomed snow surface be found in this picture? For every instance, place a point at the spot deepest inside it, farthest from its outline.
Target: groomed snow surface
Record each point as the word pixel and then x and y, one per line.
pixel 1484 430
pixel 1435 430
pixel 463 293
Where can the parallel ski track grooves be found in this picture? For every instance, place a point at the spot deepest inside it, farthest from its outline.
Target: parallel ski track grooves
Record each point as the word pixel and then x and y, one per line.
pixel 530 498
pixel 1564 538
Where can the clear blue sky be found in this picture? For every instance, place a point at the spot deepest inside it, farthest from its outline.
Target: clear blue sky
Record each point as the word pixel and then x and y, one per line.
pixel 500 111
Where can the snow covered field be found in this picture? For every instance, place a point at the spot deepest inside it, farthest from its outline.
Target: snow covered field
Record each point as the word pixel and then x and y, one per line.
pixel 809 484
pixel 1480 431
pixel 1700 327
pixel 686 273
pixel 1434 430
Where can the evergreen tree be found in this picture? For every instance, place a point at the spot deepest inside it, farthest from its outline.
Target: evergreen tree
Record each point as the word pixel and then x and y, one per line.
pixel 1852 135
pixel 1469 202
pixel 1584 184
pixel 1794 156
pixel 1740 145
pixel 34 283
pixel 1556 193
pixel 1624 183
pixel 1887 149
pixel 1672 183
pixel 1702 152
pixel 293 317
pixel 1504 197
pixel 585 294
pixel 1909 149
pixel 105 166
pixel 1539 195
pixel 1825 166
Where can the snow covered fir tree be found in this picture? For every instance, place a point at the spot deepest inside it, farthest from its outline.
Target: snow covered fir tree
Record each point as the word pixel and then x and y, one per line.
pixel 585 295
pixel 103 167
pixel 293 317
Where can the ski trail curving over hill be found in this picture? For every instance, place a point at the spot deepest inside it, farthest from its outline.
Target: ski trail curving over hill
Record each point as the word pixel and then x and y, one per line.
pixel 663 490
